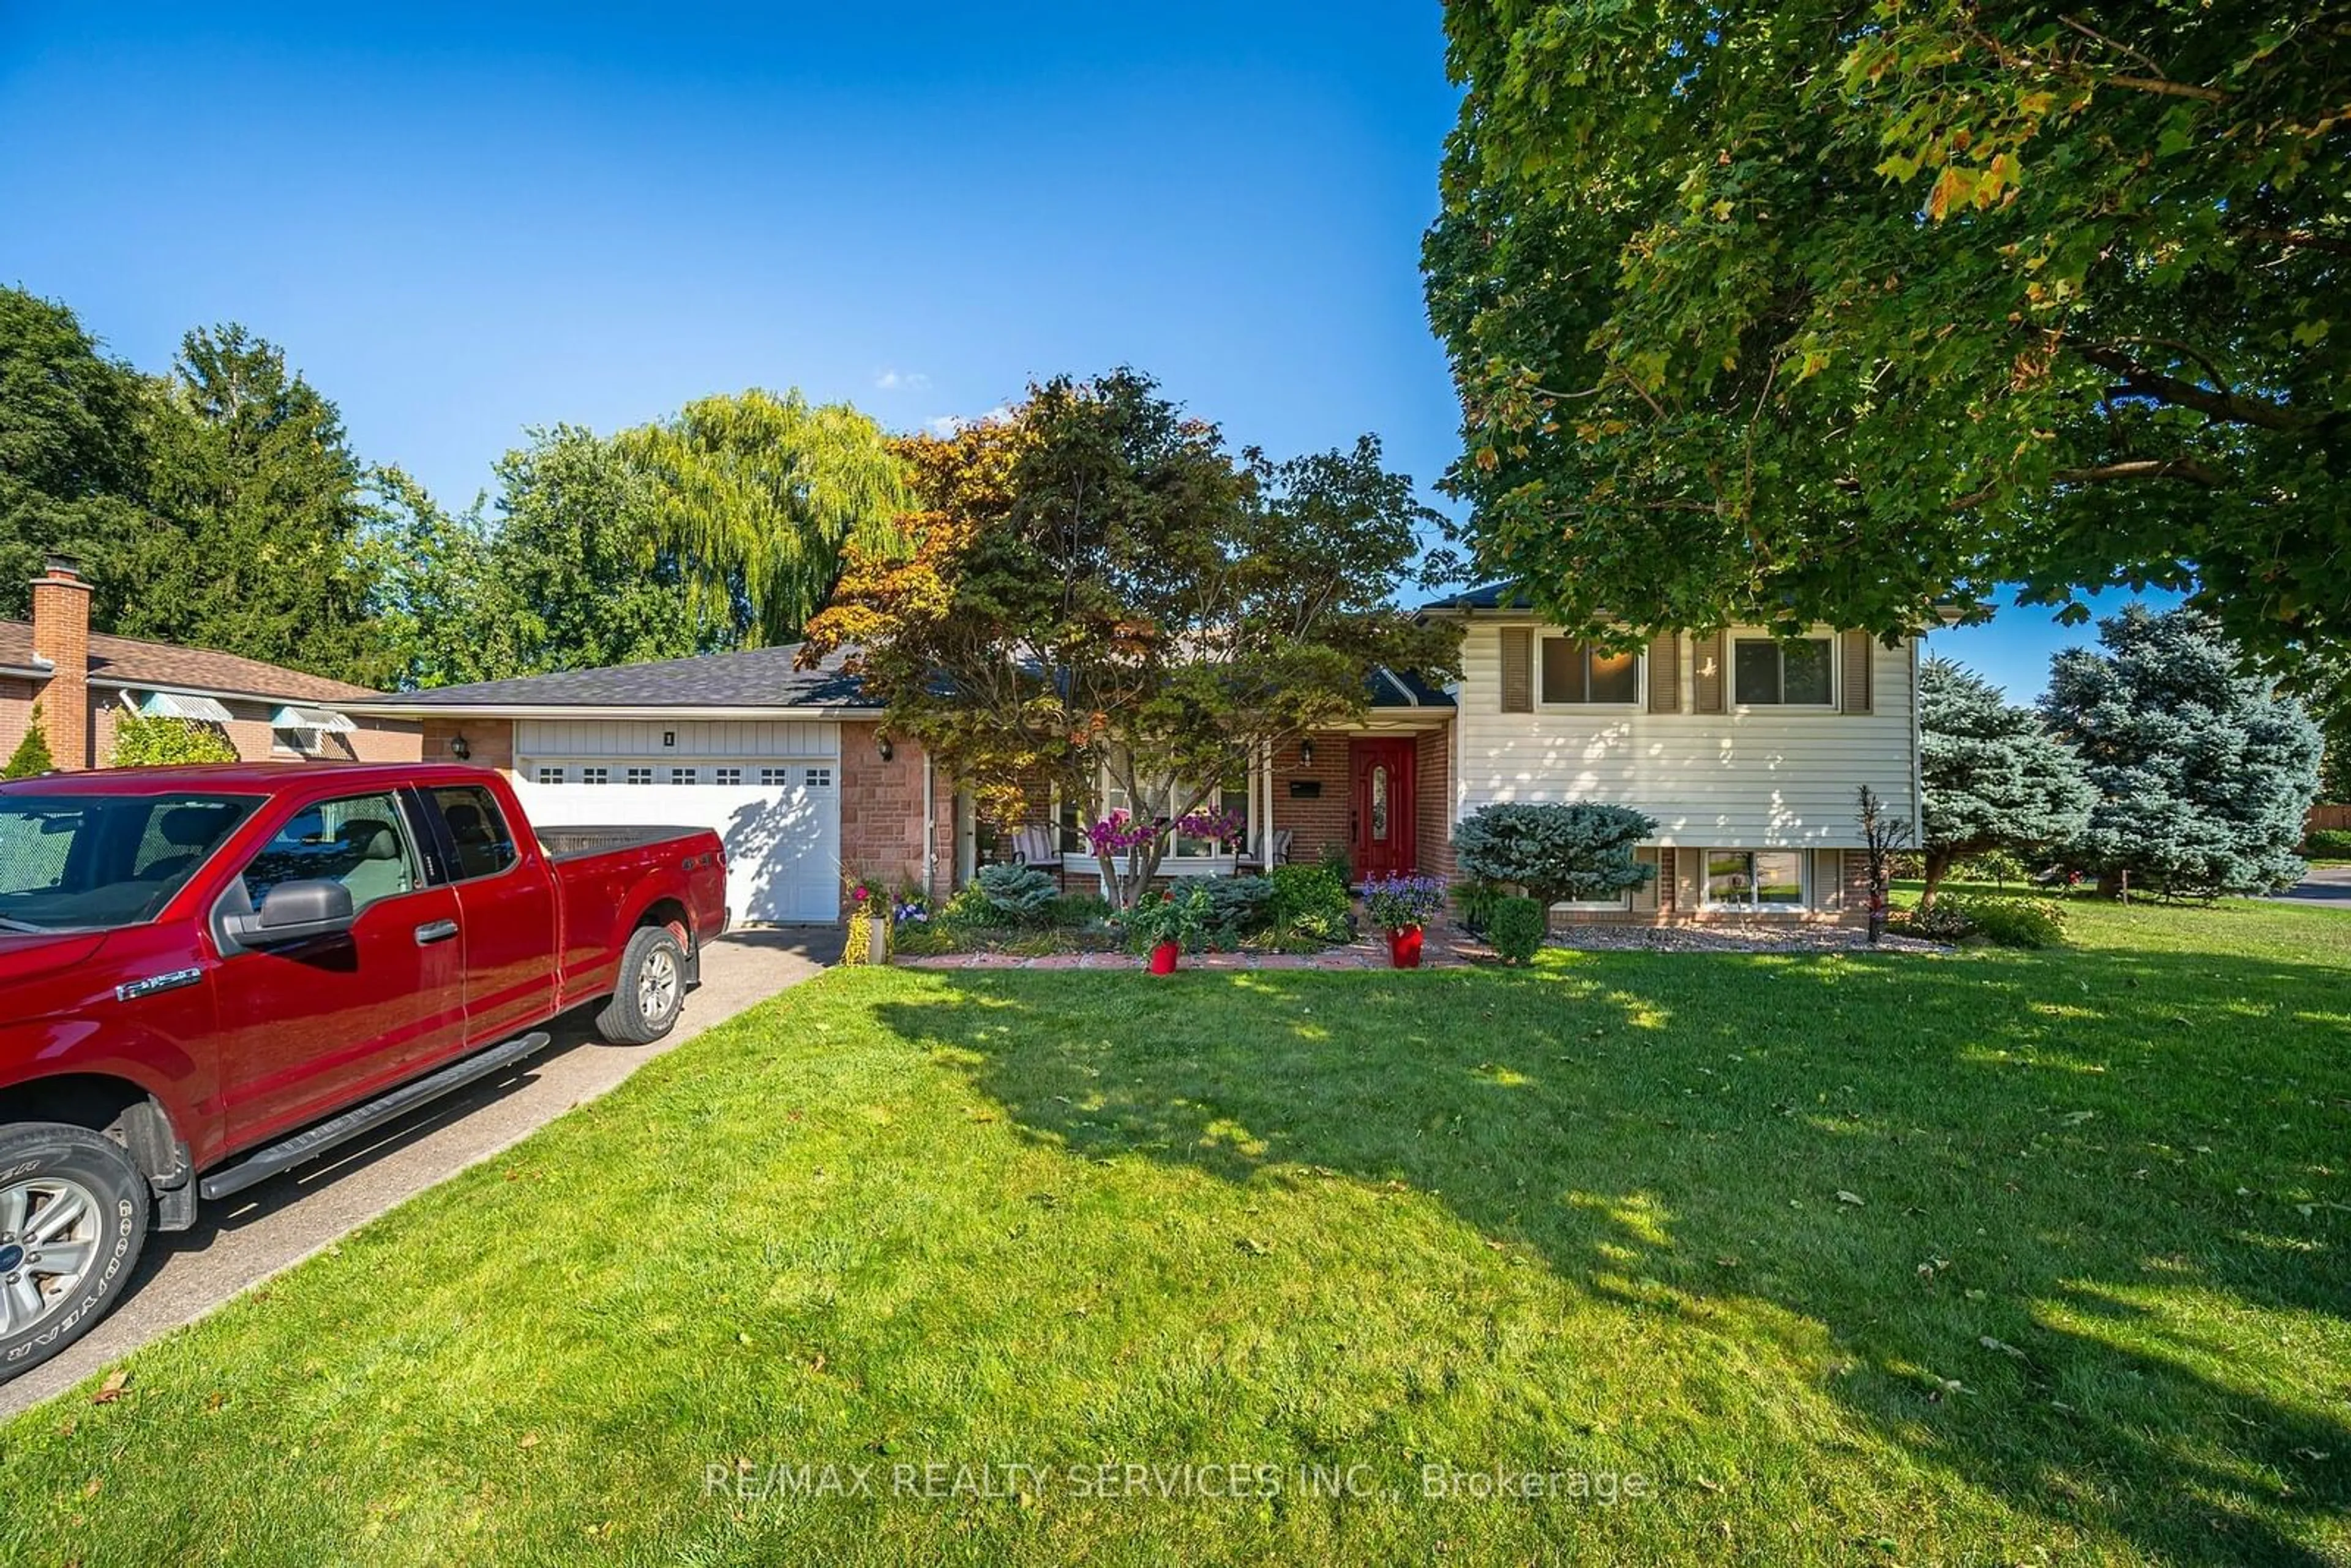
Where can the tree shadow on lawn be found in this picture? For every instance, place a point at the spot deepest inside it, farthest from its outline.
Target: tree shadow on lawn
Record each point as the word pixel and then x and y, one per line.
pixel 2081 1178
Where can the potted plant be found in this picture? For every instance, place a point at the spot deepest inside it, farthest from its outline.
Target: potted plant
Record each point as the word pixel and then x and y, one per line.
pixel 869 920
pixel 1165 924
pixel 1400 905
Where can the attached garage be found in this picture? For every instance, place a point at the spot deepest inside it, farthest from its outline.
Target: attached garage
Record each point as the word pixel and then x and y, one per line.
pixel 769 790
pixel 790 767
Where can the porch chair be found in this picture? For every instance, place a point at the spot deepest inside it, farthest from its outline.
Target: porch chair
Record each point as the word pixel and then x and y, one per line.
pixel 1279 844
pixel 1036 846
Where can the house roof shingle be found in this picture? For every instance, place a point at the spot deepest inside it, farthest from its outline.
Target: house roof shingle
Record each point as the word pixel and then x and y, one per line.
pixel 128 660
pixel 753 678
pixel 1485 596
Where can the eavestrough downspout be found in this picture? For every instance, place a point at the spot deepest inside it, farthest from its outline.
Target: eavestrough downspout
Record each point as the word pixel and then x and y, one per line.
pixel 1917 767
pixel 930 826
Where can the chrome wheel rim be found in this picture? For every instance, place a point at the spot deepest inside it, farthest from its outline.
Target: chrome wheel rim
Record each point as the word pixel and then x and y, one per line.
pixel 48 1244
pixel 657 986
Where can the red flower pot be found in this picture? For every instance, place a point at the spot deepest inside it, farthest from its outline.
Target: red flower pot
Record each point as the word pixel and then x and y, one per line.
pixel 1163 957
pixel 1403 948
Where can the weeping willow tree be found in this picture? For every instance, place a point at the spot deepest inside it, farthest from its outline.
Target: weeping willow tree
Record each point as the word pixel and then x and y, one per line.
pixel 756 495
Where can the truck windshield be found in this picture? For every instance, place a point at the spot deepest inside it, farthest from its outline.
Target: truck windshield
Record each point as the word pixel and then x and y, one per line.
pixel 85 862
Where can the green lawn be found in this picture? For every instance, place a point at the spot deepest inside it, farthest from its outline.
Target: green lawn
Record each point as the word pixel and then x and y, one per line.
pixel 1992 1258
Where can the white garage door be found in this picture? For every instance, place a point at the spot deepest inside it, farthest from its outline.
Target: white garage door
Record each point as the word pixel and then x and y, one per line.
pixel 769 790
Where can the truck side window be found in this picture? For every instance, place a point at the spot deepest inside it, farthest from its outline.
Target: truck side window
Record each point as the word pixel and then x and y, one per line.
pixel 361 841
pixel 478 828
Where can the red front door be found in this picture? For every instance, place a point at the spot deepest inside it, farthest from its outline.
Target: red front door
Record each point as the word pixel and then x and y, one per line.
pixel 1381 808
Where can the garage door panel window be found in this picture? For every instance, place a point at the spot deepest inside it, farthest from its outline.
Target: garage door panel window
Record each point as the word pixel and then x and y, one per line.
pixel 685 775
pixel 726 778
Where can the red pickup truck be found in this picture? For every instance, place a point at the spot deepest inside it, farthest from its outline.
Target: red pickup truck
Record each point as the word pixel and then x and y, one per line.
pixel 208 974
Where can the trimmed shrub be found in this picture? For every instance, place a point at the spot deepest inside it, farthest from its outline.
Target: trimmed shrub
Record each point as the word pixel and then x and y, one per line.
pixel 1240 906
pixel 1019 894
pixel 31 758
pixel 1072 909
pixel 1517 928
pixel 969 906
pixel 2001 922
pixel 1309 901
pixel 164 742
pixel 1555 853
pixel 2328 844
pixel 1475 897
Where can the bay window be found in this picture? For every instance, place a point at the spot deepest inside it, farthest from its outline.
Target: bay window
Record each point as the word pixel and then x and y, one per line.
pixel 1159 801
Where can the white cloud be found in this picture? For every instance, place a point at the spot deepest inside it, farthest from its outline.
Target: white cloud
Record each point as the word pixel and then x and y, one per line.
pixel 946 424
pixel 899 380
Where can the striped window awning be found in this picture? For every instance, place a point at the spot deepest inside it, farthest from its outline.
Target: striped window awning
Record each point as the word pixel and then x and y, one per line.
pixel 180 704
pixel 324 719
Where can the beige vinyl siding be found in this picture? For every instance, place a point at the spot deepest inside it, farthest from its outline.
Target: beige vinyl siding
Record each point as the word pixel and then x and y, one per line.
pixel 1749 778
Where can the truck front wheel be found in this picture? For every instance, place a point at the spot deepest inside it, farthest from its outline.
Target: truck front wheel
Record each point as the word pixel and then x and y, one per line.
pixel 651 990
pixel 74 1213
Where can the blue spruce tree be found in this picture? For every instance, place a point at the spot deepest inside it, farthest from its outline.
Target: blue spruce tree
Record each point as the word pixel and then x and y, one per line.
pixel 2203 773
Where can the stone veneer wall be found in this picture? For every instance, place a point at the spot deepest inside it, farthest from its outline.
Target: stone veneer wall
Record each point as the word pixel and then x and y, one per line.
pixel 882 812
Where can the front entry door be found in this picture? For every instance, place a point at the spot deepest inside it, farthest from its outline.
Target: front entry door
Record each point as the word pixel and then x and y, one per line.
pixel 1381 808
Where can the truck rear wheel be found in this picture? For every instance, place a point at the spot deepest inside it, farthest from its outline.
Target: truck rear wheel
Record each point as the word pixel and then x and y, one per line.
pixel 650 990
pixel 74 1213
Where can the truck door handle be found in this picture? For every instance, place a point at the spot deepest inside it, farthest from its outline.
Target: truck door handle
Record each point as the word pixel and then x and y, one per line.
pixel 434 931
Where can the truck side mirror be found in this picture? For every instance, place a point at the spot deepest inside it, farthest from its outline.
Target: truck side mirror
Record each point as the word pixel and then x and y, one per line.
pixel 293 912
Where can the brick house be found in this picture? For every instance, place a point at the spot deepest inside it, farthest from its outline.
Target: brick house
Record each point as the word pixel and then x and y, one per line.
pixel 1746 749
pixel 85 681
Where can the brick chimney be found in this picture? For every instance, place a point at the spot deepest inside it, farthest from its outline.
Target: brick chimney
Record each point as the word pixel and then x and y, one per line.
pixel 61 635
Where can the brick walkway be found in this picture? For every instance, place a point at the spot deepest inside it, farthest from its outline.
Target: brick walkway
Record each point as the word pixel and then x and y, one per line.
pixel 1436 953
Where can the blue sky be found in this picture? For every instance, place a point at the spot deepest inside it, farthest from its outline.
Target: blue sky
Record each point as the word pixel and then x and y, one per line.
pixel 464 222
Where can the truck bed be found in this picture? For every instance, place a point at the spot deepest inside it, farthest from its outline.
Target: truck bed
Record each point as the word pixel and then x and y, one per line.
pixel 571 843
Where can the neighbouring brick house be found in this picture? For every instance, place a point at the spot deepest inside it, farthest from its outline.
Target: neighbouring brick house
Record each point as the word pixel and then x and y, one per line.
pixel 85 681
pixel 1747 750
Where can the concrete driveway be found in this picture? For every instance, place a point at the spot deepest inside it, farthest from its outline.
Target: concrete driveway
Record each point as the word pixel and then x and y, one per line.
pixel 244 1239
pixel 2327 885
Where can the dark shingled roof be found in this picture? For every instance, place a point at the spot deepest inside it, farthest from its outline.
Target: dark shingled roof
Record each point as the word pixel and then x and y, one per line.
pixel 1487 596
pixel 1392 689
pixel 756 677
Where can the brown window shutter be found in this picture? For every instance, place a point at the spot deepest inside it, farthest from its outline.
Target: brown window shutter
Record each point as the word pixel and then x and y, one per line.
pixel 1707 673
pixel 1644 897
pixel 1856 651
pixel 1518 669
pixel 1666 674
pixel 1828 879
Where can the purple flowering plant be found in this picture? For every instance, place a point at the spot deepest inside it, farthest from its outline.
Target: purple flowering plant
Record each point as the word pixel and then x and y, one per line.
pixel 1400 902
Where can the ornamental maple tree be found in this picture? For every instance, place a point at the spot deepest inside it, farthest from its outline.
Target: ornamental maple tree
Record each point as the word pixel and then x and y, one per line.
pixel 1096 592
pixel 1824 310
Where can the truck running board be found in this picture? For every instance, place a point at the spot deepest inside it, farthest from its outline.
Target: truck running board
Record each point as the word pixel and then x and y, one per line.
pixel 316 1141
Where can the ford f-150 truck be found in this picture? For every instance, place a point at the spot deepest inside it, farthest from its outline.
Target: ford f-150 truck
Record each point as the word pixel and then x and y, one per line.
pixel 208 974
